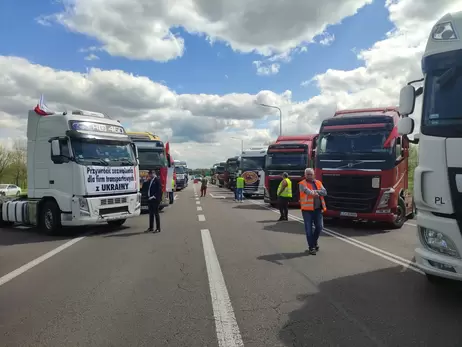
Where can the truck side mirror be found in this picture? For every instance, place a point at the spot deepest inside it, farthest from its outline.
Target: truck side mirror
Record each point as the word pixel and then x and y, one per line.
pixel 405 126
pixel 407 100
pixel 55 148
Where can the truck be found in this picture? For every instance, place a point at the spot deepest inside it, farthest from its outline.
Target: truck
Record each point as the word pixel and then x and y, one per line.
pixel 438 176
pixel 81 170
pixel 181 170
pixel 363 163
pixel 231 170
pixel 220 174
pixel 213 177
pixel 252 167
pixel 153 156
pixel 291 154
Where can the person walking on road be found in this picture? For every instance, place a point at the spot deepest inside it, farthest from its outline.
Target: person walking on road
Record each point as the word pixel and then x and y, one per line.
pixel 312 204
pixel 154 198
pixel 284 196
pixel 204 186
pixel 240 188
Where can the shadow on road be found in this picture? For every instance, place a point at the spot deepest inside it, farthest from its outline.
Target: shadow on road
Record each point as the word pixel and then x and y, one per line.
pixel 127 234
pixel 289 227
pixel 353 228
pixel 278 257
pixel 388 307
pixel 249 207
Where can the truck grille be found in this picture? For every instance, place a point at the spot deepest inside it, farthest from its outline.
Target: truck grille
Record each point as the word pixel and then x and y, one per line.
pixel 113 201
pixel 273 189
pixel 111 210
pixel 350 193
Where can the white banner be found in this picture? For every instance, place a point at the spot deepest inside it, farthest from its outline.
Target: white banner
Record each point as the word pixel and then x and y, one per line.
pixel 110 179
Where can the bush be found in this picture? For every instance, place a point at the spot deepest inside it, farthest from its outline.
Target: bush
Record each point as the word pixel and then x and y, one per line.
pixel 413 161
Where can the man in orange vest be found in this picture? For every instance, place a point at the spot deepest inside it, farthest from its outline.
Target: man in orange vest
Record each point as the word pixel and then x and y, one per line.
pixel 312 204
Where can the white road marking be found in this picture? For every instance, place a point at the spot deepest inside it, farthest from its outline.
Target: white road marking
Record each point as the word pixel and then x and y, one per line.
pixel 197 198
pixel 217 197
pixel 365 246
pixel 412 224
pixel 199 208
pixel 198 202
pixel 175 197
pixel 24 227
pixel 201 218
pixel 8 277
pixel 226 326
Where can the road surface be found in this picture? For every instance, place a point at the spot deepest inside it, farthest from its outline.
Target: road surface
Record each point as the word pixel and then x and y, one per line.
pixel 221 274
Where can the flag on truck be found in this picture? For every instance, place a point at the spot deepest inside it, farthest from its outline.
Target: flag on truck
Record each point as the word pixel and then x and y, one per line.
pixel 41 108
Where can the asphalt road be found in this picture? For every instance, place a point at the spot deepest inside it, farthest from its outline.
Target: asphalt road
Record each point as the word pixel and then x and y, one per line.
pixel 221 274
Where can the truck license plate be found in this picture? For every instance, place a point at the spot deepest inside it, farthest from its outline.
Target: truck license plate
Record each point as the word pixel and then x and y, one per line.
pixel 348 214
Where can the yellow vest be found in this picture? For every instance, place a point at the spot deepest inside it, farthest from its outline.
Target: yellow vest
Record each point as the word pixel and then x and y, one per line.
pixel 173 183
pixel 240 182
pixel 287 192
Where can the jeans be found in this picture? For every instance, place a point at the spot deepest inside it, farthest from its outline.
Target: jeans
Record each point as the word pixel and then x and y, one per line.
pixel 310 217
pixel 171 197
pixel 239 194
pixel 203 191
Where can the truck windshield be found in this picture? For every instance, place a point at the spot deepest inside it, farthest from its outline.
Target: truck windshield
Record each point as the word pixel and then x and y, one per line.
pixel 100 152
pixel 287 160
pixel 252 163
pixel 151 158
pixel 220 169
pixel 354 142
pixel 232 167
pixel 180 170
pixel 442 101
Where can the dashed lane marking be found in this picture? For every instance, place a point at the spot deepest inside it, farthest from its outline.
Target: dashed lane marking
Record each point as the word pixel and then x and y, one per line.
pixel 227 329
pixel 198 202
pixel 201 218
pixel 199 208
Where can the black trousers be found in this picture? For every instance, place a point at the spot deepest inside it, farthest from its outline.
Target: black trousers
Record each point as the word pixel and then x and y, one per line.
pixel 153 207
pixel 284 206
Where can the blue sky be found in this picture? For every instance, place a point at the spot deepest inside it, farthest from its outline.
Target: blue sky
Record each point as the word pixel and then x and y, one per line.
pixel 204 67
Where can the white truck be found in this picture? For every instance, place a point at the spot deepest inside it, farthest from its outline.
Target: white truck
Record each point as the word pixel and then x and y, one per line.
pixel 252 167
pixel 82 169
pixel 438 177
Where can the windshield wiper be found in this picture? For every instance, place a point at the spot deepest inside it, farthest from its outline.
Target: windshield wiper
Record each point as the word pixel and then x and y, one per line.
pixel 96 160
pixel 123 161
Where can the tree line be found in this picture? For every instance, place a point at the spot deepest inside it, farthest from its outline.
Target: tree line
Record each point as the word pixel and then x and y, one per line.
pixel 13 164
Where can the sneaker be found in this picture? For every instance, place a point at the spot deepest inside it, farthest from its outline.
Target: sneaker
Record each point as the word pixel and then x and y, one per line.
pixel 316 248
pixel 312 251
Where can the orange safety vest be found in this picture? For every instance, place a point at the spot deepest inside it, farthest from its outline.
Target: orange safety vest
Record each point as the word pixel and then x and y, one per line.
pixel 307 201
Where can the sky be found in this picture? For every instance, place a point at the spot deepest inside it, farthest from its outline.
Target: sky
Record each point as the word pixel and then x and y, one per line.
pixel 194 71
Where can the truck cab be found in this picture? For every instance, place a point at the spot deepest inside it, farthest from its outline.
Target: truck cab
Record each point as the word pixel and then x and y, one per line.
pixel 81 170
pixel 231 170
pixel 252 167
pixel 220 174
pixel 291 154
pixel 363 163
pixel 438 176
pixel 152 157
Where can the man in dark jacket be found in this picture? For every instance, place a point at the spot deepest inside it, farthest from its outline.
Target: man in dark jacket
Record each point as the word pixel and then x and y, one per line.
pixel 154 199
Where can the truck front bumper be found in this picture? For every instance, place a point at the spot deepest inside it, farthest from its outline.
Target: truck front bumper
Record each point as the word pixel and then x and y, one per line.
pixel 434 263
pixel 386 217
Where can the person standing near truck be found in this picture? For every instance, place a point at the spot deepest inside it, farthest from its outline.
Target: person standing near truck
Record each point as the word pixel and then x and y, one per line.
pixel 171 194
pixel 312 204
pixel 284 196
pixel 240 188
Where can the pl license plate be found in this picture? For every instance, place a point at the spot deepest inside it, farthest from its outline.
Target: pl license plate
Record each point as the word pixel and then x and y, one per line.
pixel 348 214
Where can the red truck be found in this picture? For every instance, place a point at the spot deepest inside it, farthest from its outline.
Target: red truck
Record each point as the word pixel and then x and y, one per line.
pixel 291 154
pixel 363 163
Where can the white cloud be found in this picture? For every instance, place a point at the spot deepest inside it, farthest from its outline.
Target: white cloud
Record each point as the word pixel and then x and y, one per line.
pixel 201 126
pixel 327 39
pixel 91 57
pixel 268 70
pixel 145 30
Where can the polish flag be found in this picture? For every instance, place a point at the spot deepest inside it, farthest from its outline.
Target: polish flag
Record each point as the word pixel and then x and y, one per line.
pixel 167 148
pixel 393 135
pixel 42 109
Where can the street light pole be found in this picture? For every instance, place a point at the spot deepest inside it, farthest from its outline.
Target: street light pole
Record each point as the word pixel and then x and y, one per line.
pixel 242 143
pixel 280 116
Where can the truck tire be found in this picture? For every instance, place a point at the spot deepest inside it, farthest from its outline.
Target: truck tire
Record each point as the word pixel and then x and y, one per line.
pixel 50 218
pixel 116 223
pixel 401 215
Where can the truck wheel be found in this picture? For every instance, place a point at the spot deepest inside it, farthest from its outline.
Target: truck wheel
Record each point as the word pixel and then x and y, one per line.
pixel 50 218
pixel 400 215
pixel 116 223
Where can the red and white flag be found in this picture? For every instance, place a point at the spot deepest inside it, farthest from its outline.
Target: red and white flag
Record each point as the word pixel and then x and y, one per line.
pixel 41 108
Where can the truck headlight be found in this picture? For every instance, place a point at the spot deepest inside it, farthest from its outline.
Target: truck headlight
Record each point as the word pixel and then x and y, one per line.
pixel 438 242
pixel 385 199
pixel 83 204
